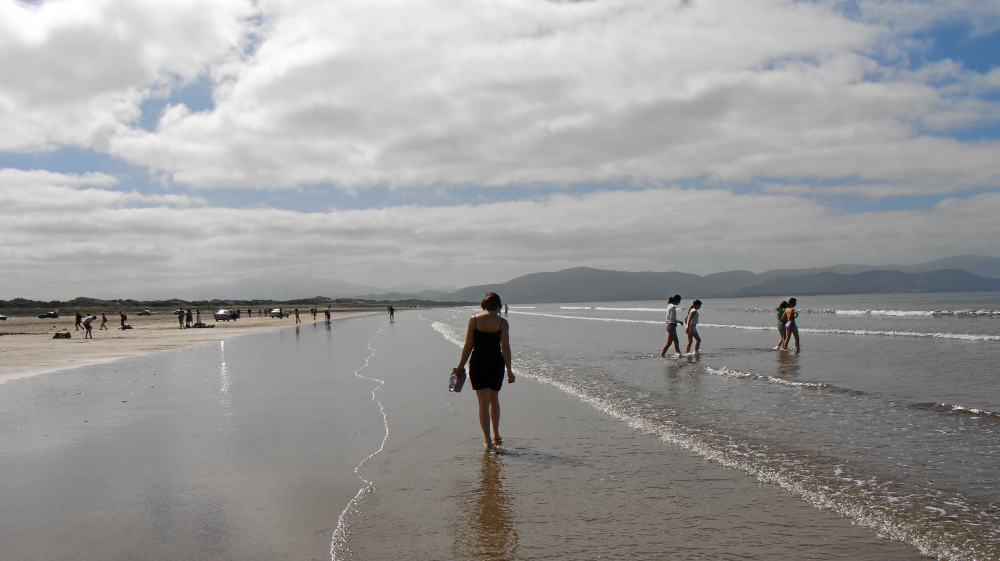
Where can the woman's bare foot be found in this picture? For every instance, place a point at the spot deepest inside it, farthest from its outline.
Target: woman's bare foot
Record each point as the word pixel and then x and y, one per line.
pixel 497 440
pixel 488 445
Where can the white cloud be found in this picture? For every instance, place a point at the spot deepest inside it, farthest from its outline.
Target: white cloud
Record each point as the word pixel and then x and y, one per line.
pixel 496 93
pixel 794 97
pixel 74 71
pixel 111 244
pixel 429 92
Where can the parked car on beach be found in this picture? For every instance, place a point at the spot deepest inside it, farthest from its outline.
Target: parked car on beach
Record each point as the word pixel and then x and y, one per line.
pixel 224 315
pixel 279 313
pixel 3 317
pixel 49 315
pixel 144 313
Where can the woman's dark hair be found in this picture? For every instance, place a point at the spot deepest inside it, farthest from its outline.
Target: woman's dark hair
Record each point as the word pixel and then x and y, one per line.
pixel 491 302
pixel 696 303
pixel 791 302
pixel 783 304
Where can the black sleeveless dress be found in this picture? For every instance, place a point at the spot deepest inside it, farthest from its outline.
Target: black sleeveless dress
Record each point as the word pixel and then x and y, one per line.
pixel 486 365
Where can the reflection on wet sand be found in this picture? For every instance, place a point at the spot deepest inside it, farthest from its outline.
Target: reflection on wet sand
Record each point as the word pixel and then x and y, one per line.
pixel 487 528
pixel 788 364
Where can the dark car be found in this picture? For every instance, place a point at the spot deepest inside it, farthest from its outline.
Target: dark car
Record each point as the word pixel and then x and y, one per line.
pixel 49 315
pixel 3 317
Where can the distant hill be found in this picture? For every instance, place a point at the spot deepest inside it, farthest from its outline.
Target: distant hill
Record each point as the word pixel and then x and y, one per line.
pixel 584 284
pixel 981 265
pixel 883 282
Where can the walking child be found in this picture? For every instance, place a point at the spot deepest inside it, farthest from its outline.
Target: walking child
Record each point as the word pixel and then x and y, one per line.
pixel 672 322
pixel 692 327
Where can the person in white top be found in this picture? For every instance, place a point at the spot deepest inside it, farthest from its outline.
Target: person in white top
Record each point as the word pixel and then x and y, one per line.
pixel 692 327
pixel 672 325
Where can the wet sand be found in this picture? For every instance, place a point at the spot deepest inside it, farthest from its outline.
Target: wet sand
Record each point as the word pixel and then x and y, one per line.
pixel 569 483
pixel 247 449
pixel 27 347
pixel 231 450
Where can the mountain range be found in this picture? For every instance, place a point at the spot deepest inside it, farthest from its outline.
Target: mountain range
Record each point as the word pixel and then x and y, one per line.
pixel 965 273
pixel 969 273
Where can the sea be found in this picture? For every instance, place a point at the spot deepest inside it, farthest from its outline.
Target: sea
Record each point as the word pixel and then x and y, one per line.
pixel 889 414
pixel 877 440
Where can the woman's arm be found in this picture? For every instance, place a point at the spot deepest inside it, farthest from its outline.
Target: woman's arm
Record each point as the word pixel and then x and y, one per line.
pixel 467 348
pixel 505 348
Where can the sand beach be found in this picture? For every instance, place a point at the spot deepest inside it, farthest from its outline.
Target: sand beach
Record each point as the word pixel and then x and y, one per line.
pixel 27 346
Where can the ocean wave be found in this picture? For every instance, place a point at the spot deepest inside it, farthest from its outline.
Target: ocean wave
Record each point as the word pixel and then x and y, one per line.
pixel 730 373
pixel 957 410
pixel 941 524
pixel 876 313
pixel 606 309
pixel 860 332
pixel 866 332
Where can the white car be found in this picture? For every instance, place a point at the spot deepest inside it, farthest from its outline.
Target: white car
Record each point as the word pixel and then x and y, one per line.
pixel 224 315
pixel 279 313
pixel 3 317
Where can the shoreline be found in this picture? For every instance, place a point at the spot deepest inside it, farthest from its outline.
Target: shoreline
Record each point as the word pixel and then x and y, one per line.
pixel 27 347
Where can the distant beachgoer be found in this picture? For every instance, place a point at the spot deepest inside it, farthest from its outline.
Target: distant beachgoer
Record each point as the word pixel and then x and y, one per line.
pixel 104 321
pixel 780 312
pixel 314 311
pixel 791 330
pixel 297 320
pixel 505 310
pixel 88 328
pixel 672 326
pixel 487 350
pixel 326 312
pixel 197 318
pixel 180 318
pixel 79 318
pixel 188 318
pixel 123 318
pixel 392 314
pixel 692 327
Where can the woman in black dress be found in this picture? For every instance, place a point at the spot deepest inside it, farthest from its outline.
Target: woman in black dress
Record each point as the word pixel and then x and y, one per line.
pixel 487 350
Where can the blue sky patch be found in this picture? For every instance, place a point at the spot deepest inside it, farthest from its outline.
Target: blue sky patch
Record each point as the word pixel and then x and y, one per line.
pixel 197 96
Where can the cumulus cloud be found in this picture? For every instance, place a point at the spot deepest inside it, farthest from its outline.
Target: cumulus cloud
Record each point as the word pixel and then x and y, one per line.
pixel 430 92
pixel 113 244
pixel 73 72
pixel 498 93
pixel 780 98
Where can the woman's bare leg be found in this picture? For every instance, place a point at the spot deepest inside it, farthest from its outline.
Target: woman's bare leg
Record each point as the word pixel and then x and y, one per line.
pixel 495 415
pixel 484 415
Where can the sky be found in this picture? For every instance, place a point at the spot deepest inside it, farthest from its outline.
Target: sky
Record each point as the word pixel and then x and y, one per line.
pixel 170 148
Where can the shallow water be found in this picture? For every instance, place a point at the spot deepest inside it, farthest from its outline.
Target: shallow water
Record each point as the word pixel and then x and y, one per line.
pixel 888 415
